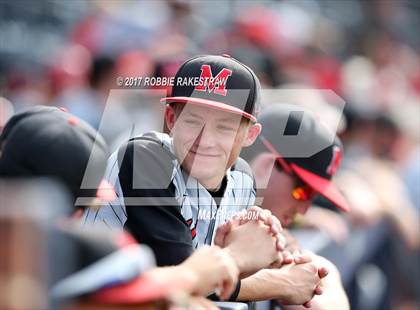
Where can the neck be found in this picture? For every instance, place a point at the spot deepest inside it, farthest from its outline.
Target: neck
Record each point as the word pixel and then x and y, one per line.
pixel 212 185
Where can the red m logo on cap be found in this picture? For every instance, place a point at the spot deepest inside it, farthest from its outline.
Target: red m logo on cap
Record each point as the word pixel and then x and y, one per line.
pixel 210 83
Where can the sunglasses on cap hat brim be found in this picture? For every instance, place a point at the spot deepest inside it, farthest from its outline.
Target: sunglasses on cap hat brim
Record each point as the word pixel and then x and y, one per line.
pixel 310 184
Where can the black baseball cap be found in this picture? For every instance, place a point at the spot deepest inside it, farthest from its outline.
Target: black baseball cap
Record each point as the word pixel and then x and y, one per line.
pixel 310 148
pixel 48 141
pixel 219 82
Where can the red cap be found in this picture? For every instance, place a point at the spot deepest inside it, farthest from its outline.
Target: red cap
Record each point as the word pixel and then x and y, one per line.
pixel 325 187
pixel 143 289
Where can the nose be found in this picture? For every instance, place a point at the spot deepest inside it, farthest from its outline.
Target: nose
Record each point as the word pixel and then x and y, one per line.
pixel 206 138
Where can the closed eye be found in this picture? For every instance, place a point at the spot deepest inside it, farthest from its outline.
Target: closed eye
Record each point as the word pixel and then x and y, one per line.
pixel 226 128
pixel 192 122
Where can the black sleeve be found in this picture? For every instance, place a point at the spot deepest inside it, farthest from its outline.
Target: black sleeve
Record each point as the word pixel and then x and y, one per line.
pixel 145 174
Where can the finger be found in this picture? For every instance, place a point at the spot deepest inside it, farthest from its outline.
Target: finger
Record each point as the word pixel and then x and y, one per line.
pixel 218 290
pixel 220 237
pixel 287 257
pixel 322 272
pixel 280 242
pixel 301 258
pixel 278 263
pixel 282 238
pixel 266 211
pixel 227 289
pixel 274 230
pixel 306 258
pixel 307 304
pixel 273 223
pixel 261 216
pixel 229 285
pixel 267 214
pixel 228 226
pixel 270 221
pixel 221 233
pixel 277 223
pixel 318 290
pixel 279 245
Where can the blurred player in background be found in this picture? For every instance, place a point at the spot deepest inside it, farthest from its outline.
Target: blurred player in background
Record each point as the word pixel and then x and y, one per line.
pixel 289 176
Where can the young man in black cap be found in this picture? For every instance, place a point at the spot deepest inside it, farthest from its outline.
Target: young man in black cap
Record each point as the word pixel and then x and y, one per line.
pixel 175 190
pixel 294 160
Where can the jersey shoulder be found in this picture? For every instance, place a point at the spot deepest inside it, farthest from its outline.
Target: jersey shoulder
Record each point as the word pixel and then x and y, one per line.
pixel 148 159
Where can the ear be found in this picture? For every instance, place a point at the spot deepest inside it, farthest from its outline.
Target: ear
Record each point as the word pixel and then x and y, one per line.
pixel 170 117
pixel 252 134
pixel 262 167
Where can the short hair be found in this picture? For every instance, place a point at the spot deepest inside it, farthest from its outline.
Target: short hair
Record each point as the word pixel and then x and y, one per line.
pixel 249 153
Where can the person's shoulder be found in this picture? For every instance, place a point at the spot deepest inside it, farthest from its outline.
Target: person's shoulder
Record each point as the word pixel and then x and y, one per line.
pixel 147 157
pixel 242 182
pixel 149 145
pixel 242 166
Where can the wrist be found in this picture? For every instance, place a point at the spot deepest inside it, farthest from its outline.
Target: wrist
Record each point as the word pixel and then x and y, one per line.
pixel 278 284
pixel 275 284
pixel 263 285
pixel 237 258
pixel 190 275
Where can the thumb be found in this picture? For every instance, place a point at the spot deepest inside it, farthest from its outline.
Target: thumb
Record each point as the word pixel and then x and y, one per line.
pixel 228 287
pixel 307 304
pixel 221 233
pixel 322 272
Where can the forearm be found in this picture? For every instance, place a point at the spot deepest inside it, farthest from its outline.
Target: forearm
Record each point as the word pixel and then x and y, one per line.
pixel 262 286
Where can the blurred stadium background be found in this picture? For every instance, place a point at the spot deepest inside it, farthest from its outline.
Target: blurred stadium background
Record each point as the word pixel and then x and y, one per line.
pixel 69 54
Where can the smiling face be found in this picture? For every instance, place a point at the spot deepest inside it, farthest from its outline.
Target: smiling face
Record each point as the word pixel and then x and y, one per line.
pixel 275 187
pixel 207 141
